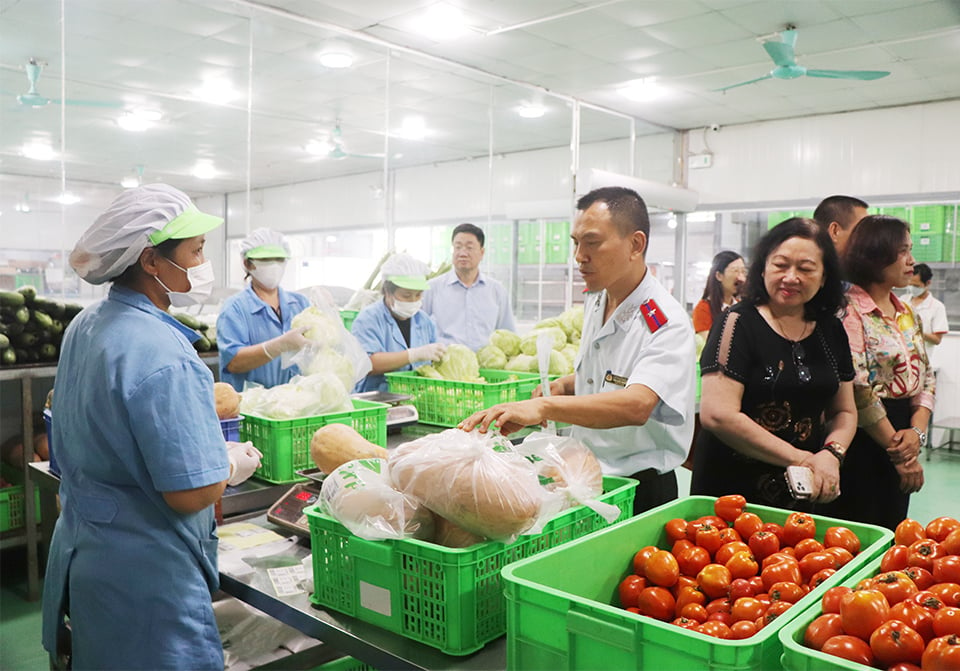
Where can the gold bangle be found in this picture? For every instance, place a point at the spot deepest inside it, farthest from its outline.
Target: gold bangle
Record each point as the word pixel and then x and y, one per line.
pixel 266 351
pixel 836 449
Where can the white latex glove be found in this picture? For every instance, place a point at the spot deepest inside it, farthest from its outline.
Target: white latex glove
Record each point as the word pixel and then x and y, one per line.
pixel 431 352
pixel 288 342
pixel 244 460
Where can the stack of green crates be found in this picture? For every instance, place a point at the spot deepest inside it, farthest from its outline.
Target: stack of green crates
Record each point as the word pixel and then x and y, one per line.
pixel 12 512
pixel 927 228
pixel 347 317
pixel 561 611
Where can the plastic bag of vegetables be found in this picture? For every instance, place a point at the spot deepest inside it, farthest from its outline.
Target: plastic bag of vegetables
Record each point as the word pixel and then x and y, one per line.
pixel 303 396
pixel 331 347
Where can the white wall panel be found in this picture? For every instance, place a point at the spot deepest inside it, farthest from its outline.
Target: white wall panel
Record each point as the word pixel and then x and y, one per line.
pixel 902 150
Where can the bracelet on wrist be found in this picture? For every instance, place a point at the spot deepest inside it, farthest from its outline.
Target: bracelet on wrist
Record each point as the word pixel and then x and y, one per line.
pixel 266 351
pixel 920 434
pixel 836 449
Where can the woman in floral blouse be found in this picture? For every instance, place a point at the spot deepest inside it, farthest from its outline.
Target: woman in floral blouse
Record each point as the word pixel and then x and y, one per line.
pixel 894 384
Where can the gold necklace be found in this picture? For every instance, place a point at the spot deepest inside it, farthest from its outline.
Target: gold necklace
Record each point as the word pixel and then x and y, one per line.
pixel 783 331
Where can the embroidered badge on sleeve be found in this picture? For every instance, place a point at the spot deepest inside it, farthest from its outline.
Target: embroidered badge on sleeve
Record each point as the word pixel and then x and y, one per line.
pixel 653 315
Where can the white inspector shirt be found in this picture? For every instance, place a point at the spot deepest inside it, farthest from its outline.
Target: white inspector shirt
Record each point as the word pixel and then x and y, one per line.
pixel 648 340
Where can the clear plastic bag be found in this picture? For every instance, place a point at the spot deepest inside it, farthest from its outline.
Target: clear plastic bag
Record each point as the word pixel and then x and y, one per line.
pixel 475 480
pixel 331 347
pixel 303 396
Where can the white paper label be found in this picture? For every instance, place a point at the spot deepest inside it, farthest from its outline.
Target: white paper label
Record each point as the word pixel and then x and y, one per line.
pixel 375 598
pixel 286 579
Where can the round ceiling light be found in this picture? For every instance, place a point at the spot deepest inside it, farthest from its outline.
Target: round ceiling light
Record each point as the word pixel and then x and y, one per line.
pixel 336 59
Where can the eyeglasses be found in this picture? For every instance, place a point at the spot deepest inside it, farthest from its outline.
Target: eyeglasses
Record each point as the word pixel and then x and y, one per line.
pixel 803 372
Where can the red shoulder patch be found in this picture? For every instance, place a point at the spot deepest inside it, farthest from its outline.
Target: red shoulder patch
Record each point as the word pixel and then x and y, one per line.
pixel 653 315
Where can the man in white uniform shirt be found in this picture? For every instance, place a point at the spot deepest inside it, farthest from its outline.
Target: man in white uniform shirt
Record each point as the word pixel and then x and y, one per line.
pixel 631 398
pixel 933 313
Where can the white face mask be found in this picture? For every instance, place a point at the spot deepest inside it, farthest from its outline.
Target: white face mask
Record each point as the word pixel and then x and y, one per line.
pixel 268 273
pixel 404 309
pixel 913 290
pixel 201 280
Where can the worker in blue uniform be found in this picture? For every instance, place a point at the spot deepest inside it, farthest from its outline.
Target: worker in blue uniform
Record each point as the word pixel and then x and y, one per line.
pixel 395 331
pixel 254 327
pixel 133 560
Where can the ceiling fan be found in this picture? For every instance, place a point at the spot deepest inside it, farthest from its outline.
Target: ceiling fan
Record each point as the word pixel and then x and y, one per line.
pixel 32 98
pixel 782 52
pixel 338 149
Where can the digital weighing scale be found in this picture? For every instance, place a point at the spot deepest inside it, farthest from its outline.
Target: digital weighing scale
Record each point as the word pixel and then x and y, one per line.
pixel 288 510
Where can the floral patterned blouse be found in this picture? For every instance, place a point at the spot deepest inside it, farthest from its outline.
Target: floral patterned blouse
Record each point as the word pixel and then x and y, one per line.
pixel 889 357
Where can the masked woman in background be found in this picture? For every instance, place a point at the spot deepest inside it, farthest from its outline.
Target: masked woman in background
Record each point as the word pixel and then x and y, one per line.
pixel 894 385
pixel 253 328
pixel 777 375
pixel 133 560
pixel 395 331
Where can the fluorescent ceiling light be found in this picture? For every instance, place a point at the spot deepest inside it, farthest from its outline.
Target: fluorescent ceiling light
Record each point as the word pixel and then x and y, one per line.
pixel 531 110
pixel 320 147
pixel 413 128
pixel 130 182
pixel 643 90
pixel 204 170
pixel 217 91
pixel 22 206
pixel 138 120
pixel 67 198
pixel 442 23
pixel 701 217
pixel 38 151
pixel 336 59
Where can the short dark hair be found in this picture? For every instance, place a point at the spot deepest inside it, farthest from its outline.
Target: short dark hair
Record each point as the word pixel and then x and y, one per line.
pixel 627 209
pixel 472 229
pixel 830 299
pixel 166 249
pixel 922 270
pixel 713 292
pixel 874 244
pixel 839 209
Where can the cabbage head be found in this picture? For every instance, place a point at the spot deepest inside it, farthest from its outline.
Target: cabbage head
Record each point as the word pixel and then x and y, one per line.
pixel 549 322
pixel 528 344
pixel 523 363
pixel 328 360
pixel 572 320
pixel 459 363
pixel 491 356
pixel 428 371
pixel 322 328
pixel 559 364
pixel 303 396
pixel 507 341
pixel 570 351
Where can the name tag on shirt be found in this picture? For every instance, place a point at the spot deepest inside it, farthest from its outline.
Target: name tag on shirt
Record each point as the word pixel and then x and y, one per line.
pixel 618 380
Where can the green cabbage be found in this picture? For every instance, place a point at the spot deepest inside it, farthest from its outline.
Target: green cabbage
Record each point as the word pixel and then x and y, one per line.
pixel 559 364
pixel 303 396
pixel 549 322
pixel 572 320
pixel 428 371
pixel 322 328
pixel 507 341
pixel 491 356
pixel 459 363
pixel 528 344
pixel 328 360
pixel 523 363
pixel 570 351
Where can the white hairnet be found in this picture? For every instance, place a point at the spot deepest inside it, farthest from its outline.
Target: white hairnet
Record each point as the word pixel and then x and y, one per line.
pixel 265 243
pixel 118 236
pixel 406 271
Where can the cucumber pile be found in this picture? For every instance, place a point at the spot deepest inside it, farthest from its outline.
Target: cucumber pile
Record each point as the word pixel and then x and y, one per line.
pixel 31 327
pixel 207 341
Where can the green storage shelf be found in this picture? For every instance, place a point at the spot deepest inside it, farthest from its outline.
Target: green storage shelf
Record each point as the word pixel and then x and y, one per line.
pixel 447 598
pixel 285 443
pixel 928 248
pixel 447 402
pixel 928 219
pixel 560 613
pixel 12 512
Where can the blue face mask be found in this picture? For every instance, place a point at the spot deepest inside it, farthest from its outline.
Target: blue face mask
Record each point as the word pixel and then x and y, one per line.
pixel 201 280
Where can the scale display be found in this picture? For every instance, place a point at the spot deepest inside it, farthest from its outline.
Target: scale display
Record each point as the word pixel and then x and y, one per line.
pixel 288 511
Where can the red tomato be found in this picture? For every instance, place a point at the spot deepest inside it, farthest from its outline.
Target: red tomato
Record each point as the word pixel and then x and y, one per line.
pixel 822 628
pixel 742 565
pixel 747 524
pixel 806 546
pixel 817 561
pixel 715 629
pixel 830 603
pixel 675 529
pixel 714 580
pixel 894 642
pixel 942 654
pixel 692 528
pixel 895 559
pixel 947 569
pixel 686 623
pixel 757 583
pixel 727 550
pixel 895 585
pixel 788 571
pixel 719 605
pixel 775 529
pixel 904 666
pixel 941 527
pixel 741 587
pixel 928 600
pixel 951 543
pixel 797 527
pixel 790 592
pixel 849 647
pixel 842 554
pixel 690 594
pixel 721 616
pixel 923 552
pixel 713 520
pixel 921 577
pixel 908 531
pixel 742 629
pixel 685 581
pixel 729 507
pixel 841 537
pixel 775 610
pixel 633 609
pixel 819 577
pixel 948 592
pixel 661 568
pixel 680 546
pixel 947 621
pixel 919 618
pixel 763 544
pixel 629 589
pixel 776 558
pixel 692 560
pixel 708 537
pixel 747 608
pixel 694 611
pixel 657 602
pixel 862 611
pixel 640 558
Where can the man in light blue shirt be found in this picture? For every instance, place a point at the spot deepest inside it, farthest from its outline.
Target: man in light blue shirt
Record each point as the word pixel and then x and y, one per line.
pixel 466 305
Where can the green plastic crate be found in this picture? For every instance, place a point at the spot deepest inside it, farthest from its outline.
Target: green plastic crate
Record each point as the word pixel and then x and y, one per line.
pixel 928 219
pixel 447 402
pixel 798 657
pixel 344 664
pixel 560 613
pixel 12 513
pixel 928 248
pixel 447 598
pixel 347 317
pixel 285 443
